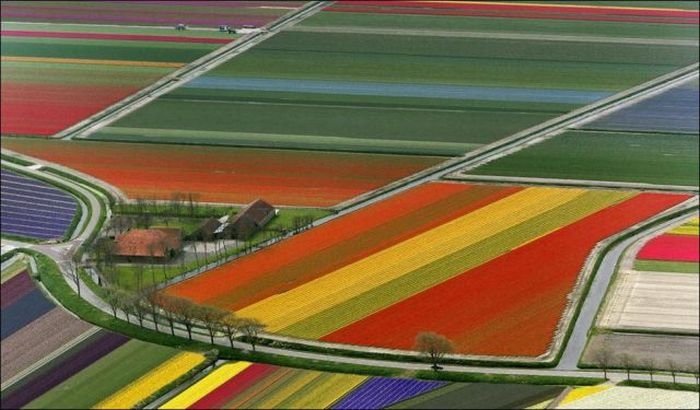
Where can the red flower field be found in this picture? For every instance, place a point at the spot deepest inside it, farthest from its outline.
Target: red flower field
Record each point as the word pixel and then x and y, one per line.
pixel 106 36
pixel 522 11
pixel 335 244
pixel 674 248
pixel 512 304
pixel 45 109
pixel 225 174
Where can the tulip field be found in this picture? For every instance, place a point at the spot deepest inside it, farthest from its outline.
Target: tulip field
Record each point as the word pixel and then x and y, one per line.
pixel 54 78
pixel 350 204
pixel 661 292
pixel 54 352
pixel 349 87
pixel 227 175
pixel 676 250
pixel 377 272
pixel 260 386
pixel 653 141
pixel 154 13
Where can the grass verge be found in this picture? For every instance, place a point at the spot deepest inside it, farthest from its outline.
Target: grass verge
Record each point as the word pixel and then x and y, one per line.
pixel 661 385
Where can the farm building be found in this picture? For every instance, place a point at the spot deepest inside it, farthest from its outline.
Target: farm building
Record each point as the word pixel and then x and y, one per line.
pixel 157 244
pixel 207 230
pixel 250 220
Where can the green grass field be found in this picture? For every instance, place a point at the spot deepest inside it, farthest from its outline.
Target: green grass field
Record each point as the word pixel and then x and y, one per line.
pixel 105 377
pixel 662 266
pixel 605 156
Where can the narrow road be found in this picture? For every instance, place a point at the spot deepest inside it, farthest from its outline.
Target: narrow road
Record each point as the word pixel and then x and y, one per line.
pixel 196 68
pixel 579 336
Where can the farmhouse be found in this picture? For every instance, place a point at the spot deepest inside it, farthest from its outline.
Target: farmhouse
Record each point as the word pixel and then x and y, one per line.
pixel 156 244
pixel 250 220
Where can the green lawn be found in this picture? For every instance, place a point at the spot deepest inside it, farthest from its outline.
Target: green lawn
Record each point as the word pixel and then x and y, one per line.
pixel 105 377
pixel 605 156
pixel 663 266
pixel 187 225
pixel 511 25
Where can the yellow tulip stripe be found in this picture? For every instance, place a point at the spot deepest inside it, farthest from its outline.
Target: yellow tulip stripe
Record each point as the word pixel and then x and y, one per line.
pixel 581 392
pixel 205 386
pixel 151 382
pixel 690 227
pixel 273 397
pixel 345 283
pixel 426 260
pixel 323 391
pixel 297 389
pixel 452 265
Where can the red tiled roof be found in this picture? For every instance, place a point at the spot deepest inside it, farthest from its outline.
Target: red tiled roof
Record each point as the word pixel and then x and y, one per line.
pixel 148 242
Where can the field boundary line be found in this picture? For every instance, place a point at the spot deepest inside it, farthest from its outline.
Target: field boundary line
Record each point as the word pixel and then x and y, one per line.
pixel 519 140
pixel 572 183
pixel 191 70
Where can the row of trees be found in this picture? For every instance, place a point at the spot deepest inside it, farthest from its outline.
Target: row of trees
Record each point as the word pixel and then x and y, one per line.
pixel 604 358
pixel 158 306
pixel 180 204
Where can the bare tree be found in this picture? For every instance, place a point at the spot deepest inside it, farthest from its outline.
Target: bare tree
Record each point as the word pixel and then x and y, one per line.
pixel 603 358
pixel 192 200
pixel 125 304
pixel 112 298
pixel 211 319
pixel 165 303
pixel 206 237
pixel 185 313
pixel 176 203
pixel 693 369
pixel 150 300
pixel 152 260
pixel 251 328
pixel 230 325
pixel 625 361
pixel 135 304
pixel 649 364
pixel 673 368
pixel 73 273
pixel 139 272
pixel 434 346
